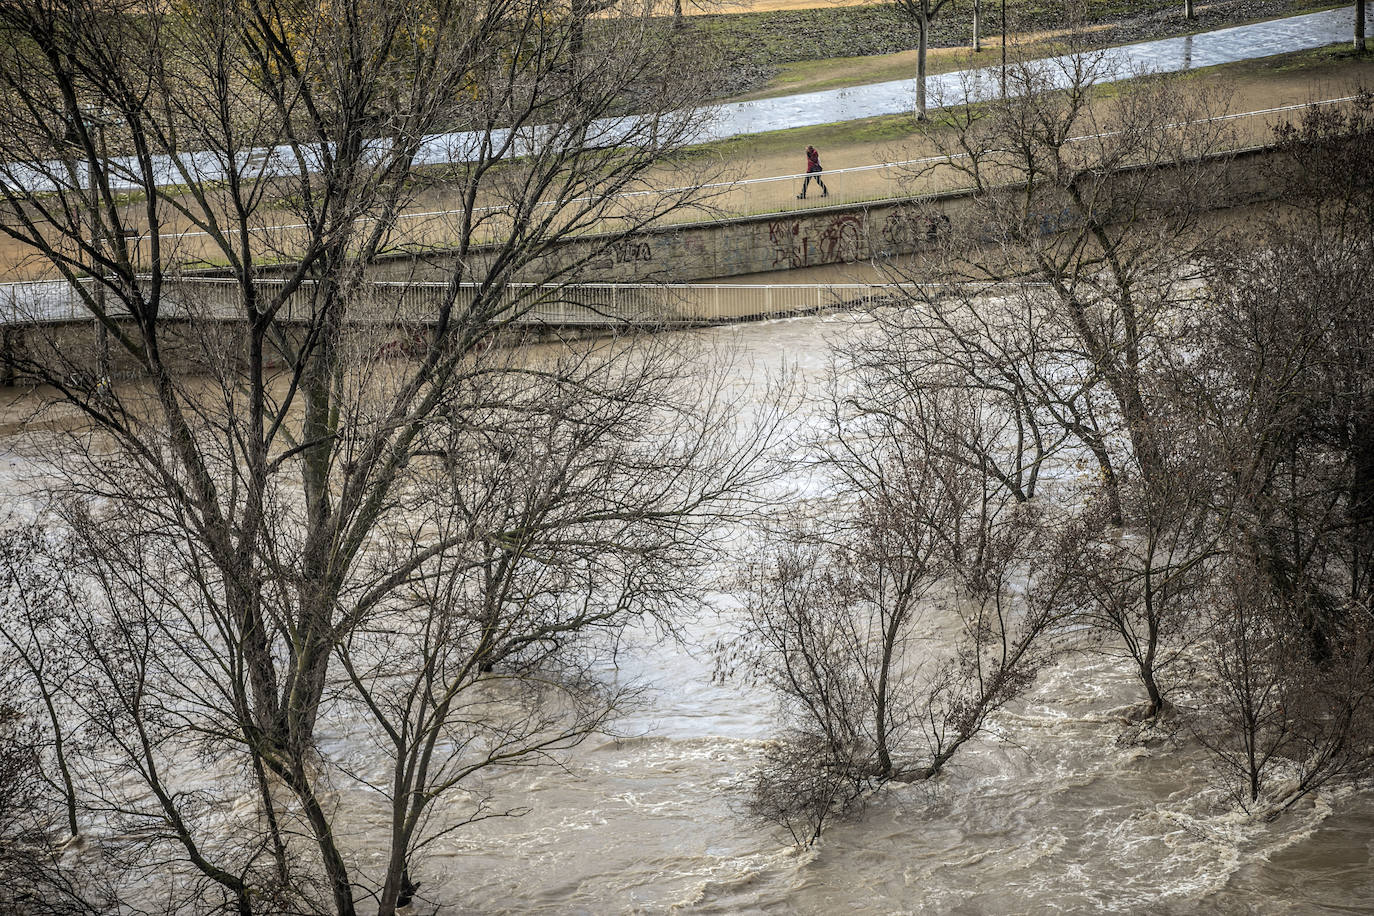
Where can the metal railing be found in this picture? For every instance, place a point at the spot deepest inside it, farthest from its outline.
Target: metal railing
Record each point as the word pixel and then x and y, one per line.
pixel 395 303
pixel 58 301
pixel 43 302
pixel 590 304
pixel 763 196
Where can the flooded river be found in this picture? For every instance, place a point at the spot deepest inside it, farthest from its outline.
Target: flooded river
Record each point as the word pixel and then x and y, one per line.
pixel 1050 814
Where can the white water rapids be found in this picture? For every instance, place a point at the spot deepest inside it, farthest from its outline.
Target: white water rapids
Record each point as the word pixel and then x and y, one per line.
pixel 1051 814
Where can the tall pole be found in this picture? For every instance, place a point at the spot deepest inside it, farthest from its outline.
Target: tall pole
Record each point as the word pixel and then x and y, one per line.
pixel 1004 49
pixel 99 155
pixel 102 333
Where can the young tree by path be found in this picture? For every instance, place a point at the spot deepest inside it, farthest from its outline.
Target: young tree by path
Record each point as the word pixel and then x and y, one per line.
pixel 922 12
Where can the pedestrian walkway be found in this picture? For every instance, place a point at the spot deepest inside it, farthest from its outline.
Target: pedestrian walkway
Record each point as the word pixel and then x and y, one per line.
pixel 1245 42
pixel 431 230
pixel 1224 46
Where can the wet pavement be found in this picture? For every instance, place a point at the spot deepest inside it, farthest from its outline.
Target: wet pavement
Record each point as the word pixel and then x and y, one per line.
pixel 1244 42
pixel 1224 46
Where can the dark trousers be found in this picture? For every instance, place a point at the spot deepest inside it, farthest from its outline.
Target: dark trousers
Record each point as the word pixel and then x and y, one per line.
pixel 807 182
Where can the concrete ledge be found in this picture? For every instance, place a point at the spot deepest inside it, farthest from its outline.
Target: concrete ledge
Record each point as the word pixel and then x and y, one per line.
pixel 838 234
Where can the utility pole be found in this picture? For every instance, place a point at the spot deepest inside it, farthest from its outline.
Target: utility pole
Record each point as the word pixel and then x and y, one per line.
pixel 96 156
pixel 1004 49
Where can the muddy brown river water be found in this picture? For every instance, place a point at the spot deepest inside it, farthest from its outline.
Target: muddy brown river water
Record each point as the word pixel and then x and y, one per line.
pixel 1050 814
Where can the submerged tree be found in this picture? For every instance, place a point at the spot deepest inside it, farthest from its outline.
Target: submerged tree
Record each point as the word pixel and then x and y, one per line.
pixel 894 622
pixel 1064 293
pixel 297 527
pixel 1143 585
pixel 1283 386
pixel 39 808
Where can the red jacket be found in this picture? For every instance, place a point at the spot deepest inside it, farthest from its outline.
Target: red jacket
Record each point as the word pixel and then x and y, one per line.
pixel 813 161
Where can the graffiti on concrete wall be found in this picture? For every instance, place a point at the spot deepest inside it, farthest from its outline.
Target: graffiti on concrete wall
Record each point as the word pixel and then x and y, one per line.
pixel 843 240
pixel 402 347
pixel 899 231
pixel 624 251
pixel 791 249
pixel 1052 223
pixel 904 230
pixel 839 239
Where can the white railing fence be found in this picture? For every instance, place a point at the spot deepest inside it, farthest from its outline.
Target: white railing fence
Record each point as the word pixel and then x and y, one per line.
pixel 763 196
pixel 591 304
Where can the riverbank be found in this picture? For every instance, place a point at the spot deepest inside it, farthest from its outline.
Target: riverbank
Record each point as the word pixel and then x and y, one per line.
pixel 1284 79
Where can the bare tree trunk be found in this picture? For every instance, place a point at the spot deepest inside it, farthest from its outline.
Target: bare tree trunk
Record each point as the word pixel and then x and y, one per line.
pixel 881 711
pixel 1147 662
pixel 1359 27
pixel 1188 10
pixel 923 30
pixel 977 25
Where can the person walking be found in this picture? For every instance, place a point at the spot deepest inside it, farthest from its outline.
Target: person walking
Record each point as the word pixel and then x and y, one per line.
pixel 813 170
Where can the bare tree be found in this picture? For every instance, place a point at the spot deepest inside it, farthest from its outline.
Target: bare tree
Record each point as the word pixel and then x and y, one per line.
pixel 37 604
pixel 1246 727
pixel 1278 723
pixel 1289 403
pixel 1359 40
pixel 974 381
pixel 917 543
pixel 1064 295
pixel 32 878
pixel 1091 207
pixel 41 867
pixel 1143 584
pixel 921 12
pixel 1280 384
pixel 247 500
pixel 556 498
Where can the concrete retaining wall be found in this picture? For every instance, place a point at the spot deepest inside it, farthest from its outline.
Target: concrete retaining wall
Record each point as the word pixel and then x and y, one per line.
pixel 682 254
pixel 810 238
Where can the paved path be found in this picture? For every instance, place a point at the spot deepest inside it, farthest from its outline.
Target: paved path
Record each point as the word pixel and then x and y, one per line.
pixel 1224 46
pixel 809 109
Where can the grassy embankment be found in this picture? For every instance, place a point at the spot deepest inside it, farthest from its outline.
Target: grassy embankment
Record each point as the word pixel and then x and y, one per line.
pixel 803 50
pixel 1283 79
